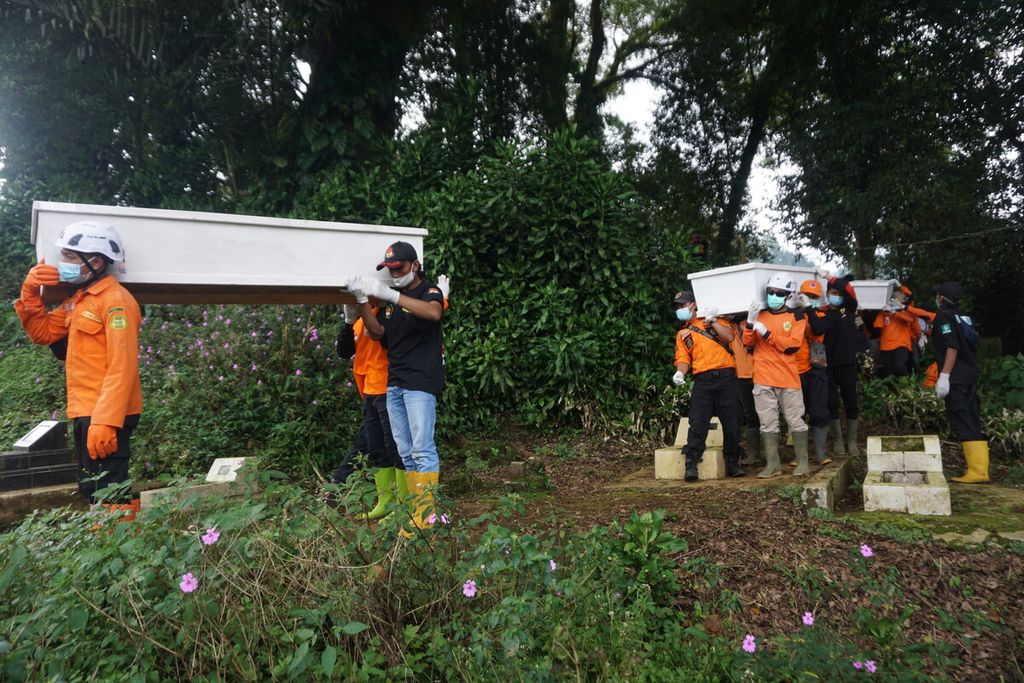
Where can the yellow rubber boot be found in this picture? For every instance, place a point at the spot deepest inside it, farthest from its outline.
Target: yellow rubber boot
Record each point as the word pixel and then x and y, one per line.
pixel 421 493
pixel 976 455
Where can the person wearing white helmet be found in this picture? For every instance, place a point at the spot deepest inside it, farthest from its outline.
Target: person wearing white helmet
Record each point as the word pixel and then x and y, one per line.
pixel 100 321
pixel 776 333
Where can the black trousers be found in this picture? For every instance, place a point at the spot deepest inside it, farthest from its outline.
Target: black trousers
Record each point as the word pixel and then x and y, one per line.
pixel 714 395
pixel 963 409
pixel 814 384
pixel 373 439
pixel 745 394
pixel 843 380
pixel 112 469
pixel 894 363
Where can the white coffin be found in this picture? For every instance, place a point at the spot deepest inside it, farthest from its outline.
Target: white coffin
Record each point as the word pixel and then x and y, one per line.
pixel 873 295
pixel 731 289
pixel 196 257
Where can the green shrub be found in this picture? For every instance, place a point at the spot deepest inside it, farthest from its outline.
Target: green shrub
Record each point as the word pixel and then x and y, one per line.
pixel 31 389
pixel 1002 383
pixel 904 405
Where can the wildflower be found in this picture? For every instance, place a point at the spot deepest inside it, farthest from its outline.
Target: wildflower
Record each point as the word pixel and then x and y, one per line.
pixel 220 378
pixel 211 536
pixel 432 519
pixel 234 366
pixel 858 665
pixel 445 519
pixel 808 619
pixel 870 666
pixel 348 384
pixel 553 565
pixel 866 550
pixel 227 345
pixel 315 402
pixel 188 583
pixel 468 588
pixel 298 372
pixel 253 367
pixel 749 643
pixel 314 334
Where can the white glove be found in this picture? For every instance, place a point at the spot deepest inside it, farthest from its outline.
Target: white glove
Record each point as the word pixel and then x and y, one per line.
pixel 351 314
pixel 755 310
pixel 922 341
pixel 793 301
pixel 710 314
pixel 858 322
pixel 942 385
pixel 444 284
pixel 678 379
pixel 352 285
pixel 761 328
pixel 378 290
pixel 823 274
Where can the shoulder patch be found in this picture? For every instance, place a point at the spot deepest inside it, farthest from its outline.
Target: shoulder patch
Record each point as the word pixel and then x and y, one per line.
pixel 688 341
pixel 788 325
pixel 115 309
pixel 118 322
pixel 945 328
pixel 434 290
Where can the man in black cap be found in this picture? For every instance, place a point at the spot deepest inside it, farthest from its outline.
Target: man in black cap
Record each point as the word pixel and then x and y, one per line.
pixel 955 342
pixel 702 345
pixel 408 325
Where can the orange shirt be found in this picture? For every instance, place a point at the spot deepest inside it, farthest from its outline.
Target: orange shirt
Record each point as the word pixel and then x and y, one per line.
pixel 370 364
pixel 102 368
pixel 744 359
pixel 931 376
pixel 899 330
pixel 699 352
pixel 803 354
pixel 922 313
pixel 773 366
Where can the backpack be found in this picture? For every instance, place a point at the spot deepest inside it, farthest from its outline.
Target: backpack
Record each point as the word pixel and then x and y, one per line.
pixel 969 332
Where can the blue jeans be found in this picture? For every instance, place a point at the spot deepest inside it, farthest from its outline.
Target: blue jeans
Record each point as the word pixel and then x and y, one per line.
pixel 412 415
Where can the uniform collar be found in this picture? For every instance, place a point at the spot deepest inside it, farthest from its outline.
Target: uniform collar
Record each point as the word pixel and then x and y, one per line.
pixel 98 287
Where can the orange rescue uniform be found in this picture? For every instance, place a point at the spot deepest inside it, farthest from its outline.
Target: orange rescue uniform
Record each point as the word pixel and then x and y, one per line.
pixel 744 359
pixel 102 326
pixel 774 357
pixel 699 352
pixel 899 330
pixel 370 363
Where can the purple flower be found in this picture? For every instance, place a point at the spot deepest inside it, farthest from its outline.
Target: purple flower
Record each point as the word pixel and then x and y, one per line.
pixel 211 536
pixel 348 384
pixel 808 619
pixel 432 519
pixel 188 583
pixel 445 519
pixel 749 643
pixel 298 372
pixel 315 402
pixel 314 334
pixel 866 550
pixel 220 378
pixel 468 588
pixel 553 565
pixel 870 666
pixel 858 665
pixel 253 367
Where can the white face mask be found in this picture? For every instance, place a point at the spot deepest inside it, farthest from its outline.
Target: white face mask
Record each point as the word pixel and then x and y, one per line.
pixel 403 282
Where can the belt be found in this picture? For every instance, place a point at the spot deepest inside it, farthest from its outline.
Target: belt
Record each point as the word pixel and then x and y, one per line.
pixel 715 374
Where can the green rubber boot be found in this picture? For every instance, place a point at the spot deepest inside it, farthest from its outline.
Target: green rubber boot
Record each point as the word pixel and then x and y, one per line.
pixel 752 453
pixel 838 447
pixel 385 480
pixel 771 454
pixel 851 438
pixel 803 467
pixel 821 444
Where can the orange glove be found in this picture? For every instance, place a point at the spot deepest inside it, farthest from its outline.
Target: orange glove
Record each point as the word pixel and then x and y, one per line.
pixel 41 275
pixel 102 441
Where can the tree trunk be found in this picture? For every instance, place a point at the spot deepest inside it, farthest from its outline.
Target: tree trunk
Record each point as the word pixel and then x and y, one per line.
pixel 738 186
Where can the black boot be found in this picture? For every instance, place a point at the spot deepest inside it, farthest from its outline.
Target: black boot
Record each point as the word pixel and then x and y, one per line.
pixel 732 466
pixel 691 468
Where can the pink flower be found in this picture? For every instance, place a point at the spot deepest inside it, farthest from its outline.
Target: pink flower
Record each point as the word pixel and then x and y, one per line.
pixel 749 643
pixel 445 519
pixel 298 372
pixel 870 666
pixel 432 519
pixel 188 583
pixel 553 565
pixel 808 619
pixel 858 665
pixel 866 550
pixel 468 588
pixel 211 536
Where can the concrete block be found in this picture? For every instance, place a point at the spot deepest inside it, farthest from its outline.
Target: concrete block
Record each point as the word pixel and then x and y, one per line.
pixel 922 462
pixel 716 438
pixel 176 494
pixel 931 498
pixel 886 462
pixel 874 445
pixel 228 469
pixel 827 486
pixel 712 465
pixel 517 469
pixel 669 463
pixel 882 497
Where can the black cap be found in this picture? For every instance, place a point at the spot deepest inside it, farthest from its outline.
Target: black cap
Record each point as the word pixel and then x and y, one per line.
pixel 950 290
pixel 396 253
pixel 684 298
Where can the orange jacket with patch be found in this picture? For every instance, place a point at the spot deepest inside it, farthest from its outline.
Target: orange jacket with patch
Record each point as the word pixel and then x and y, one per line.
pixel 744 359
pixel 803 354
pixel 102 368
pixel 775 357
pixel 370 364
pixel 699 352
pixel 899 330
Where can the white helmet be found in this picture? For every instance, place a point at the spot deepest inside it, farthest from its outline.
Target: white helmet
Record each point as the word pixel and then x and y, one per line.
pixel 92 237
pixel 783 281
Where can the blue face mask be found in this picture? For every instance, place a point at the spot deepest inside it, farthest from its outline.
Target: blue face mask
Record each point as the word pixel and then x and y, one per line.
pixel 683 314
pixel 69 272
pixel 776 301
pixel 835 300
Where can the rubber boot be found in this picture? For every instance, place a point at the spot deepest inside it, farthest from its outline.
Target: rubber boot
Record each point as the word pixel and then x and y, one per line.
pixel 771 454
pixel 421 490
pixel 384 478
pixel 691 468
pixel 753 451
pixel 838 447
pixel 803 467
pixel 821 444
pixel 851 438
pixel 402 486
pixel 976 455
pixel 732 466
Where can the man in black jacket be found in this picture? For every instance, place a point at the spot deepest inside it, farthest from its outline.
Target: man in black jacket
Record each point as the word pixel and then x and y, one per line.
pixel 843 340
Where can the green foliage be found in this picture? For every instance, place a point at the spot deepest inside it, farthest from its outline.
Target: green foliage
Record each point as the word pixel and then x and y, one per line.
pixel 904 405
pixel 31 389
pixel 1003 382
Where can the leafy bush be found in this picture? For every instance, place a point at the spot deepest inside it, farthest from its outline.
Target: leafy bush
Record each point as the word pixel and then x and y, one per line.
pixel 31 389
pixel 904 405
pixel 1002 383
